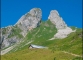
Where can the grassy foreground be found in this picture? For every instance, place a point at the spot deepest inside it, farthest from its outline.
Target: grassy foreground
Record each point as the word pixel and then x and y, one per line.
pixel 39 54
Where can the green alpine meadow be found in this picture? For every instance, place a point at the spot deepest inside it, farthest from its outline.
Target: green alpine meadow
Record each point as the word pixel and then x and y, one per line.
pixel 31 38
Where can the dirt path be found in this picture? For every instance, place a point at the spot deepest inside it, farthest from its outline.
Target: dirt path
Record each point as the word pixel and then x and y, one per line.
pixel 72 54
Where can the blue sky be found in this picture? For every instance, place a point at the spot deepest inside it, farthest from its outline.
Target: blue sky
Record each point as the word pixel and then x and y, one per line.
pixel 69 10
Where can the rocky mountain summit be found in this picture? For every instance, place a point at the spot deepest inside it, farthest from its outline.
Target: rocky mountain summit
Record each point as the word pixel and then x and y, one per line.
pixel 57 20
pixel 30 20
pixel 12 35
pixel 63 29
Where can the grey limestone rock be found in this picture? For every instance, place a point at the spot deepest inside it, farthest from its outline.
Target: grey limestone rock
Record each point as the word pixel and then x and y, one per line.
pixel 9 34
pixel 62 29
pixel 30 20
pixel 57 20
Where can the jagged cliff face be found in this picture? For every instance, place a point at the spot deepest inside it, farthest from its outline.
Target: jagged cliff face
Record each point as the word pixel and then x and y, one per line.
pixel 9 36
pixel 57 20
pixel 63 29
pixel 14 34
pixel 30 20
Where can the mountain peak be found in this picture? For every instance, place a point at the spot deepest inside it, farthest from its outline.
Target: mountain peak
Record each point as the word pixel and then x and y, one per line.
pixel 63 29
pixel 15 34
pixel 30 20
pixel 57 20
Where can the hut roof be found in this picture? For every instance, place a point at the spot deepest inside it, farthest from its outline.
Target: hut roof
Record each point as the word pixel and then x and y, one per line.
pixel 37 46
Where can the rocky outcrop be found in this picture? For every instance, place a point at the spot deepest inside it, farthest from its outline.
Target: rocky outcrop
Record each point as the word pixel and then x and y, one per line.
pixel 62 29
pixel 57 20
pixel 7 37
pixel 13 34
pixel 30 20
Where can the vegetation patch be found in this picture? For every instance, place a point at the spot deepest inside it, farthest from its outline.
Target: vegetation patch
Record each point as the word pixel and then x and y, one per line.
pixel 15 32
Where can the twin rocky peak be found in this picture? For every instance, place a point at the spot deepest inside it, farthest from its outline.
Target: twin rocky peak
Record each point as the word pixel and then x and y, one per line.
pixel 33 18
pixel 28 22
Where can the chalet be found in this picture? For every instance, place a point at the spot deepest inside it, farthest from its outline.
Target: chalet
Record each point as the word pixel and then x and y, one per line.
pixel 36 46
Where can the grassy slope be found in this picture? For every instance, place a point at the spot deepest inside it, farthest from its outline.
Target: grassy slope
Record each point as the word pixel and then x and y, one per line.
pixel 38 54
pixel 41 36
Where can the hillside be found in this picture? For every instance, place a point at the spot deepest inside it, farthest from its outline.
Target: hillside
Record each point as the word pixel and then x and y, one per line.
pixel 69 48
pixel 62 42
